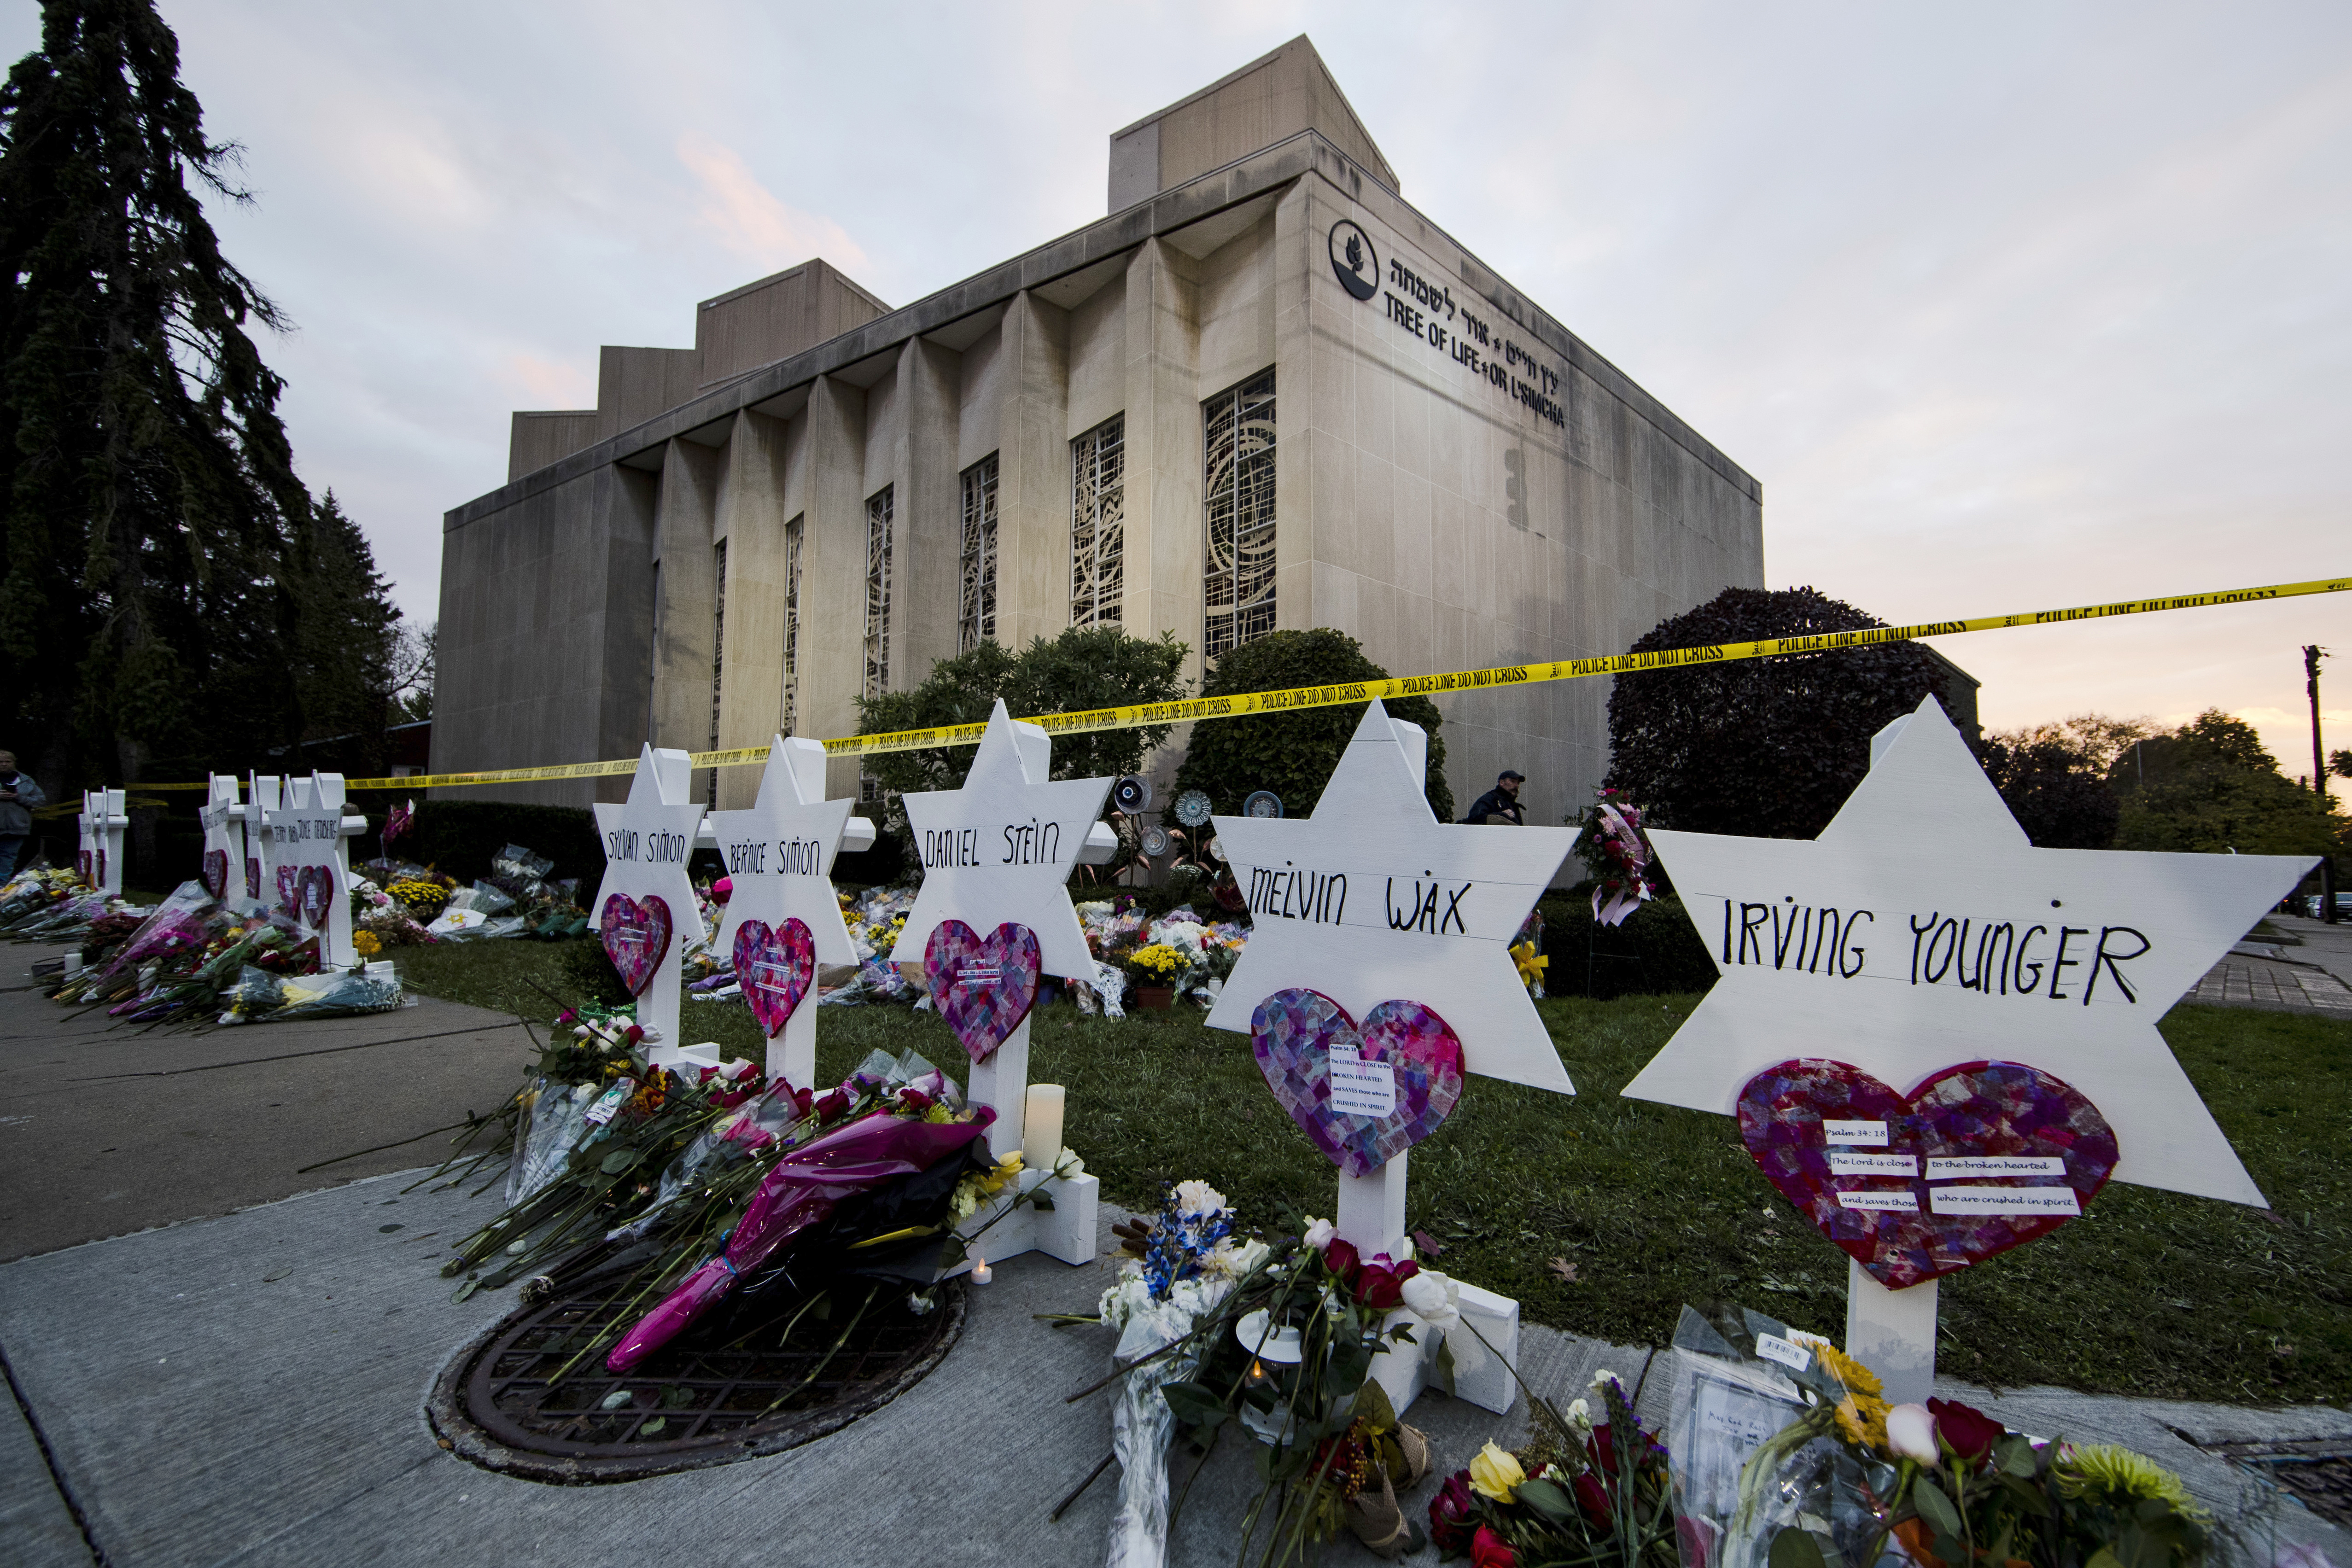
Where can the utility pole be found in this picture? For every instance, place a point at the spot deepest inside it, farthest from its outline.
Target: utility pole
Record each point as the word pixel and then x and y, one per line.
pixel 2312 653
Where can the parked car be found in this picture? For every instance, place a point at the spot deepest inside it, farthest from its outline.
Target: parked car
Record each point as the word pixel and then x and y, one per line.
pixel 2343 906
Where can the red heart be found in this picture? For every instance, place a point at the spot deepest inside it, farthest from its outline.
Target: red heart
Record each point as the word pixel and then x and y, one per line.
pixel 774 967
pixel 216 873
pixel 635 936
pixel 984 986
pixel 1980 1111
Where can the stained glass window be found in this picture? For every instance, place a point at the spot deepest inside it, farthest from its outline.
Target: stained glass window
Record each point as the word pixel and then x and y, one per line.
pixel 1238 479
pixel 976 614
pixel 792 622
pixel 1098 522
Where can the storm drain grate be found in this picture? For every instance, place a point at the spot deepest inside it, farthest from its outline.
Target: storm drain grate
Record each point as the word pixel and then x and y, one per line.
pixel 2317 1471
pixel 736 1390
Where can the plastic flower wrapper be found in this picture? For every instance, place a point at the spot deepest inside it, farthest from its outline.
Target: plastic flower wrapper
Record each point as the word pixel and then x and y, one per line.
pixel 1616 850
pixel 556 1120
pixel 801 1190
pixel 374 989
pixel 1725 1403
pixel 177 926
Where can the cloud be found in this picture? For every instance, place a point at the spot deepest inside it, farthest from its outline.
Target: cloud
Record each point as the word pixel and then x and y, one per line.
pixel 551 383
pixel 746 217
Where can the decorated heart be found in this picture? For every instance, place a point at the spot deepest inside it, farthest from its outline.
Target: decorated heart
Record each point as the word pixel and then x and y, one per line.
pixel 774 967
pixel 86 861
pixel 289 891
pixel 252 877
pixel 317 887
pixel 984 986
pixel 1980 1158
pixel 635 934
pixel 1402 1055
pixel 216 873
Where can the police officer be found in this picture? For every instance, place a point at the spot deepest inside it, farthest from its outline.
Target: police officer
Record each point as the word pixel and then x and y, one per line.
pixel 1501 804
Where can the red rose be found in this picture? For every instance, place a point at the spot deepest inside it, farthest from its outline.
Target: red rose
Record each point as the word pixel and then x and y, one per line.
pixel 802 1098
pixel 1604 1450
pixel 914 1100
pixel 1970 1432
pixel 1339 1257
pixel 830 1108
pixel 1593 1497
pixel 1381 1287
pixel 1487 1550
pixel 1449 1514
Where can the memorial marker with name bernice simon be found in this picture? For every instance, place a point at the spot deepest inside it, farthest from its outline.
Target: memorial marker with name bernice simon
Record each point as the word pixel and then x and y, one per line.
pixel 1378 973
pixel 646 910
pixel 993 914
pixel 1941 1041
pixel 782 917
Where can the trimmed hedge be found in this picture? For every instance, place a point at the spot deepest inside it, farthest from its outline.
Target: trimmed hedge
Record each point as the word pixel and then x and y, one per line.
pixel 1655 952
pixel 460 838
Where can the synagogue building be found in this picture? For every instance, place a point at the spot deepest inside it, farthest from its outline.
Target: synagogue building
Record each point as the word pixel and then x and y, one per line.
pixel 1264 393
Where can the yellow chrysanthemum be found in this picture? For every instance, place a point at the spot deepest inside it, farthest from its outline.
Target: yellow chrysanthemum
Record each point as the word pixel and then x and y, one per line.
pixel 2117 1474
pixel 366 944
pixel 1858 1378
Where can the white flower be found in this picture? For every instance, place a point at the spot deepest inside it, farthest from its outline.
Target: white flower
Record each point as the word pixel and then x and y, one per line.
pixel 1320 1232
pixel 1198 1200
pixel 1234 1260
pixel 1066 1164
pixel 1579 1415
pixel 1602 1379
pixel 1911 1432
pixel 1432 1298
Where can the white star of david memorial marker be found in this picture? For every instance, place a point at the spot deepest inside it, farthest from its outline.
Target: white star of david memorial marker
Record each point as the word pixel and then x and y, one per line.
pixel 648 838
pixel 224 822
pixel 999 851
pixel 104 817
pixel 307 831
pixel 779 855
pixel 1922 930
pixel 1372 899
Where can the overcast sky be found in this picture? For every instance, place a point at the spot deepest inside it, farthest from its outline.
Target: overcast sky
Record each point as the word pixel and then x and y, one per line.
pixel 2009 306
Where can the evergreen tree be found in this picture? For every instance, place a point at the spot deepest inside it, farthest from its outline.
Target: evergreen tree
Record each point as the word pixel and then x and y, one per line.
pixel 345 632
pixel 155 528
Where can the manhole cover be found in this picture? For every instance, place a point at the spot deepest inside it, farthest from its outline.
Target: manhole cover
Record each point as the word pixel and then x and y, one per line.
pixel 522 1399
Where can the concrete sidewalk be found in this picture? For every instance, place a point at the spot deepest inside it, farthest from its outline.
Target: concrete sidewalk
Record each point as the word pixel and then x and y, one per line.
pixel 107 1129
pixel 250 1389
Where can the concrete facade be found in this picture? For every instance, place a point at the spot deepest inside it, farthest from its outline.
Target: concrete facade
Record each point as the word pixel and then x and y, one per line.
pixel 1456 479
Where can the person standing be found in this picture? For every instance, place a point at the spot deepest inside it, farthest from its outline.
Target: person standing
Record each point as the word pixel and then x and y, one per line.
pixel 18 796
pixel 1501 805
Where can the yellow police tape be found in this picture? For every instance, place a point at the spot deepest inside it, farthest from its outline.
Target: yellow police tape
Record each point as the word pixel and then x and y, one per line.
pixel 1297 698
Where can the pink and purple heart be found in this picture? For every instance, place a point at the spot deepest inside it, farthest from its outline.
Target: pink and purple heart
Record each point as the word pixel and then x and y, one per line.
pixel 216 873
pixel 635 934
pixel 289 891
pixel 774 967
pixel 1293 1033
pixel 252 877
pixel 2000 1111
pixel 984 986
pixel 316 889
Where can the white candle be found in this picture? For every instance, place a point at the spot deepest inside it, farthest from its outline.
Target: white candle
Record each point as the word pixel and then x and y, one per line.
pixel 979 1271
pixel 1041 1127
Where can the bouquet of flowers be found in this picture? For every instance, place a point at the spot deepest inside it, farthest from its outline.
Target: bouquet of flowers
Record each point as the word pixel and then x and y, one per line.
pixel 1847 1477
pixel 1276 1339
pixel 1582 1492
pixel 1617 852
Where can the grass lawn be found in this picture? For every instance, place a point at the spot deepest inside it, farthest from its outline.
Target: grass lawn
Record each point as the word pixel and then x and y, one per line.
pixel 2149 1293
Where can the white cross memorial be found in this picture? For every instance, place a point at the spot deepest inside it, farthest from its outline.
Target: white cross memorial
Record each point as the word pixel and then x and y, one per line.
pixel 999 850
pixel 779 855
pixel 102 821
pixel 308 862
pixel 1371 899
pixel 646 911
pixel 1849 946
